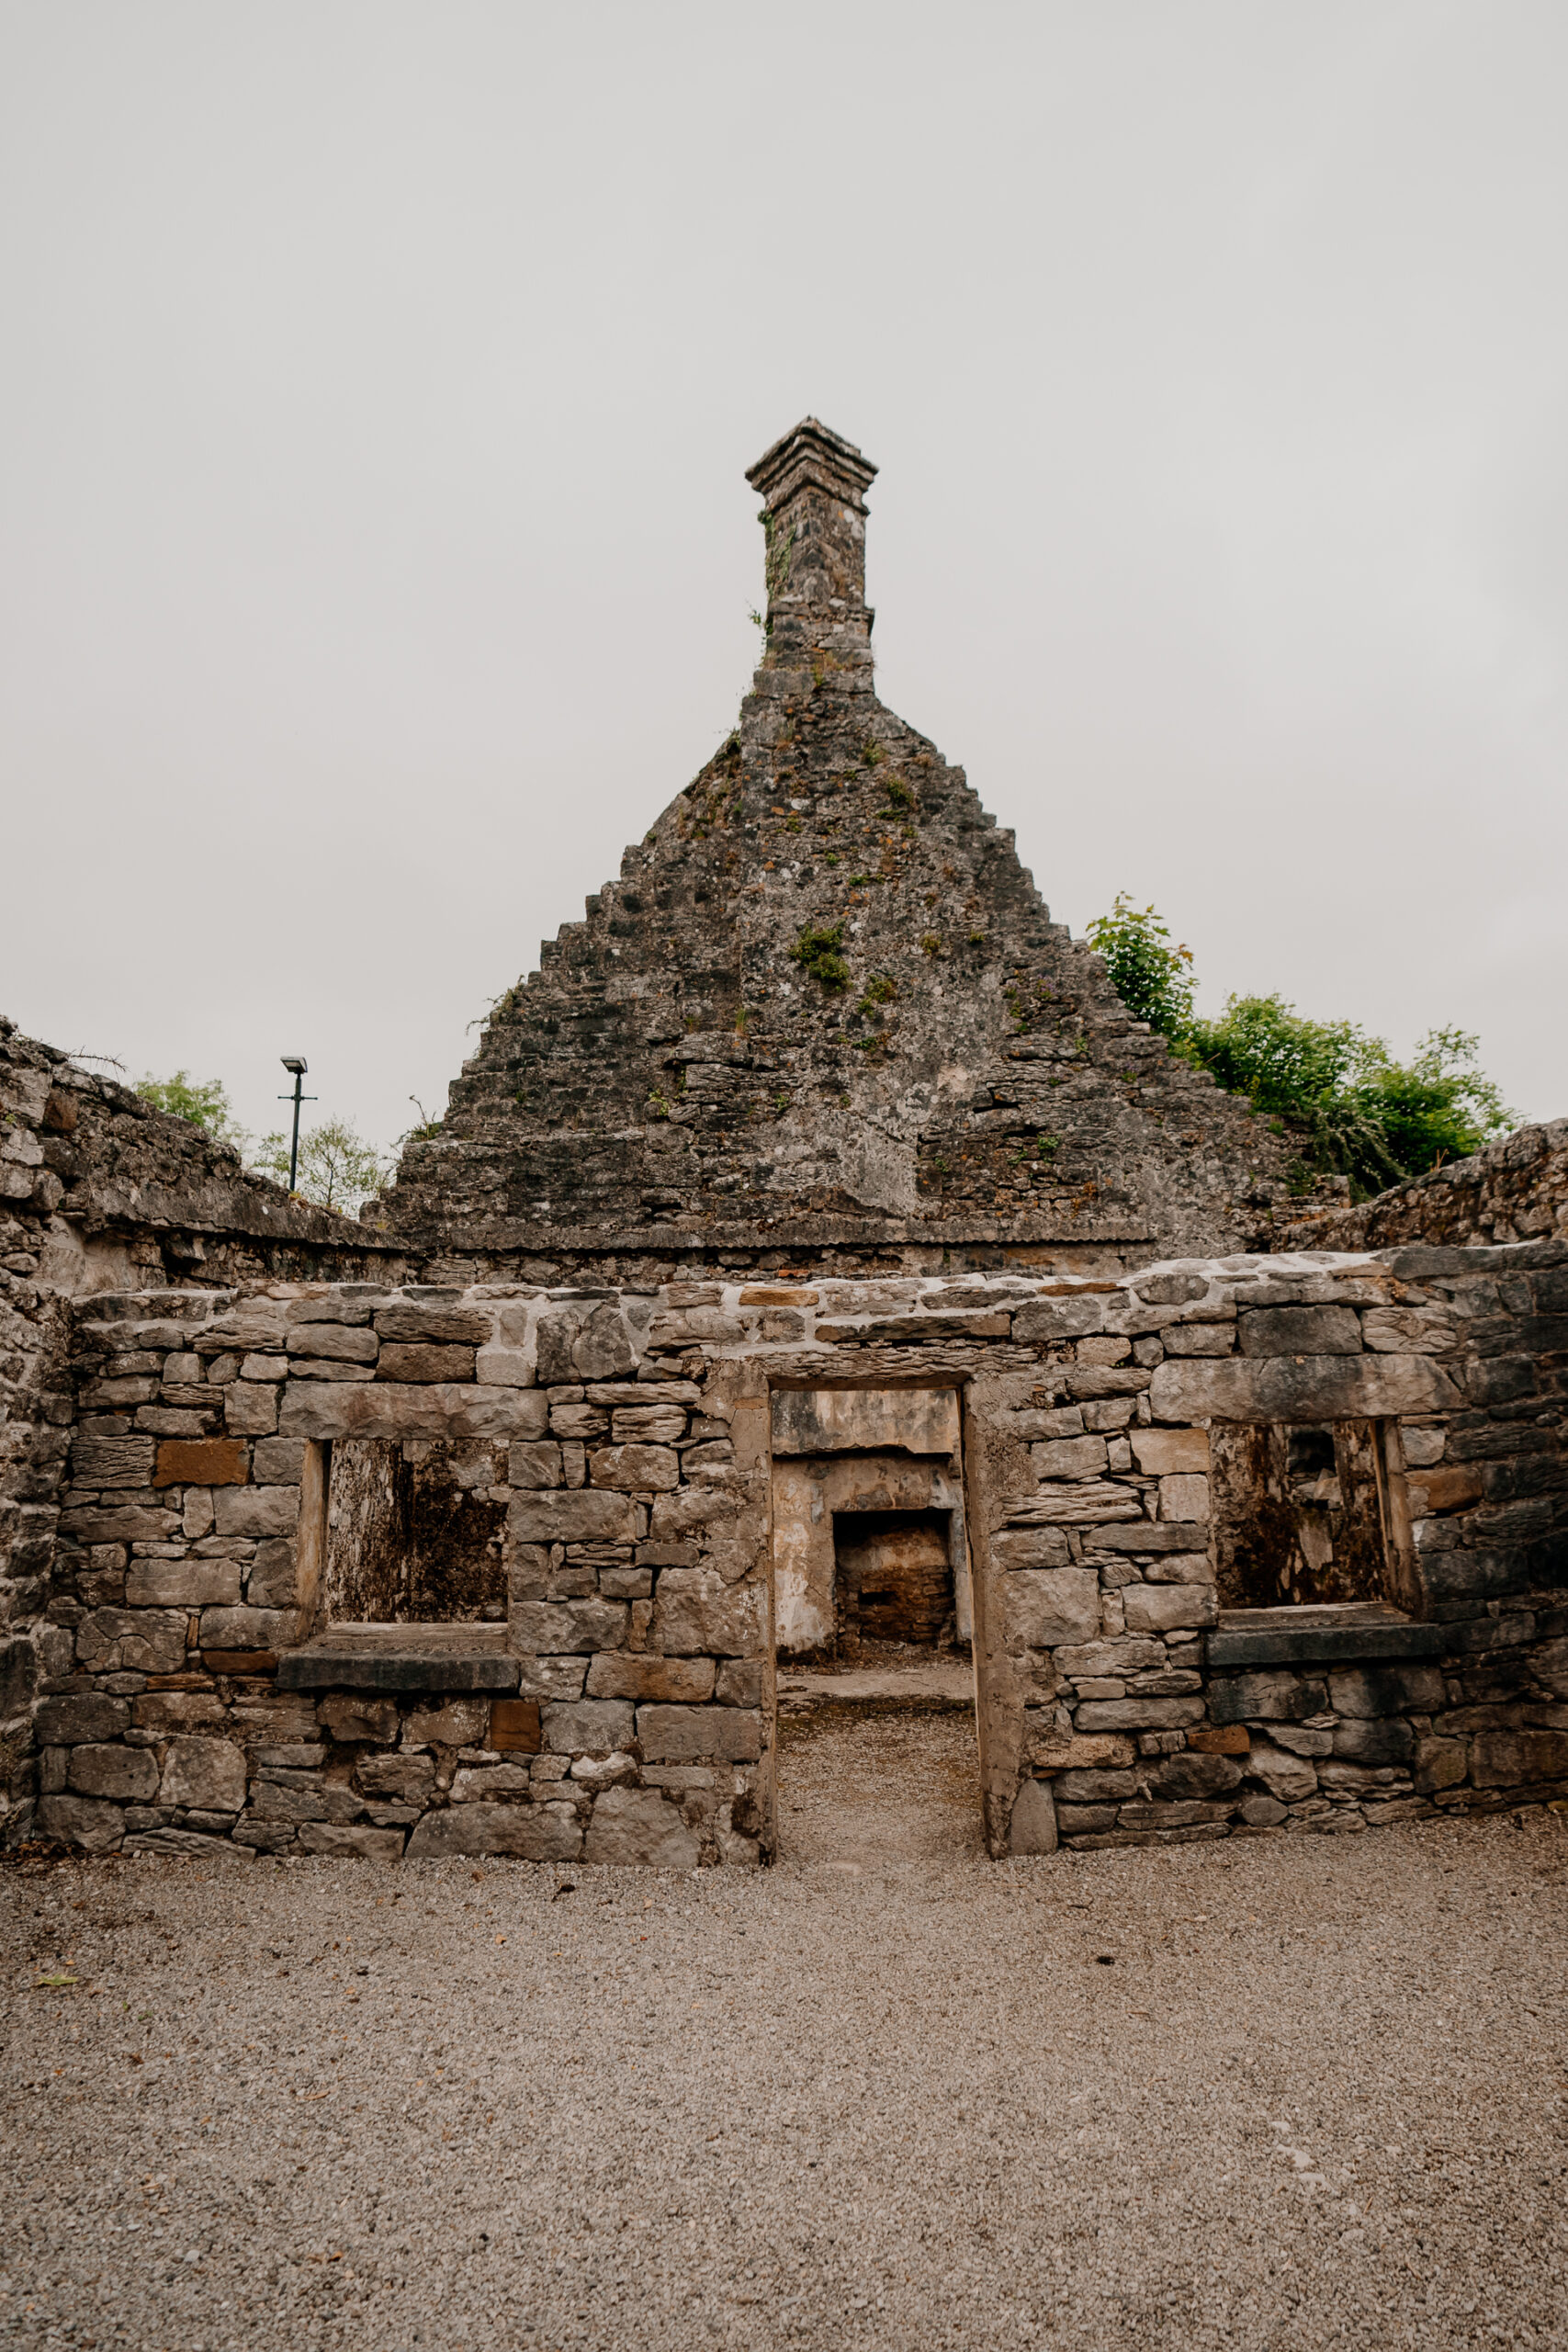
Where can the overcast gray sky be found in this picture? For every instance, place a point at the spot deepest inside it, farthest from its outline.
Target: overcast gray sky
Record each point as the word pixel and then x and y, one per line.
pixel 376 560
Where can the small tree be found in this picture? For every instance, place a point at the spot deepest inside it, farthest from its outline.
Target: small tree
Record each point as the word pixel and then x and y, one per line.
pixel 1152 978
pixel 204 1102
pixel 337 1167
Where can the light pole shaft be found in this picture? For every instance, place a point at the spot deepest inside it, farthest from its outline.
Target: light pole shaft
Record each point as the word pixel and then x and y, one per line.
pixel 294 1145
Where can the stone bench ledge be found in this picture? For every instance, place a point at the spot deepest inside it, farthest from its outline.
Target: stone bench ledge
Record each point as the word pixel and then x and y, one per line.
pixel 1296 1636
pixel 402 1658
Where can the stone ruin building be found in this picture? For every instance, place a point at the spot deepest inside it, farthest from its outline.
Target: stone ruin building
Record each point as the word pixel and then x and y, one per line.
pixel 815 1263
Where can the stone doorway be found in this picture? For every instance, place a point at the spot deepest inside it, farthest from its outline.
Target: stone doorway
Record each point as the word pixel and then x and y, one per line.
pixel 873 1623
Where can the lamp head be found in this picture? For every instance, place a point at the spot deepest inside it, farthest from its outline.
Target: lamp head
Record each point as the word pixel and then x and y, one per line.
pixel 295 1063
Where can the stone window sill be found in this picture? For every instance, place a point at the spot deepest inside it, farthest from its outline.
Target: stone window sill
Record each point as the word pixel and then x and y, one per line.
pixel 402 1658
pixel 1355 1629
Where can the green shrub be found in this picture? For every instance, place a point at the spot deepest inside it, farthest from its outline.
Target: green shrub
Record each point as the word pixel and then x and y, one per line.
pixel 817 952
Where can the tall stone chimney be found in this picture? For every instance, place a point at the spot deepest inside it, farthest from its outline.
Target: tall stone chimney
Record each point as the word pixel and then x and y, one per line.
pixel 813 488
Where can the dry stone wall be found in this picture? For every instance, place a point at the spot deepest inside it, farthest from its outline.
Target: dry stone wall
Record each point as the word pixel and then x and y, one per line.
pixel 194 1689
pixel 1517 1189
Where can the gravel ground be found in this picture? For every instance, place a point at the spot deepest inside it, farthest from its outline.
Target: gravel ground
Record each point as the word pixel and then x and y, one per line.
pixel 1267 2093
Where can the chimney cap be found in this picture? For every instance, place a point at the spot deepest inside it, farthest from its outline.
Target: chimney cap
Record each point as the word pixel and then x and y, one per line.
pixel 809 454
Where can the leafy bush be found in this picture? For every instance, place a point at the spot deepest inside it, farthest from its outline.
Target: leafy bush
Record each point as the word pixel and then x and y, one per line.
pixel 337 1167
pixel 204 1102
pixel 817 951
pixel 1152 979
pixel 1353 1110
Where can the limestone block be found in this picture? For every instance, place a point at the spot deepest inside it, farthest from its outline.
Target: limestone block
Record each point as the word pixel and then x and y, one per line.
pixel 1299 1331
pixel 1036 1547
pixel 1199 1340
pixel 1122 1657
pixel 1387 1690
pixel 1403 1330
pixel 551 1677
pixel 503 1367
pixel 1288 1777
pixel 585 1516
pixel 87 1822
pixel 587 1726
pixel 195 1519
pixel 89 1715
pixel 534 1465
pixel 1043 1607
pixel 122 1526
pixel 560 1628
pixel 1163 1609
pixel 113 1462
pixel 865 1420
pixel 452 1722
pixel 1091 1503
pixel 1423 1447
pixel 635 1469
pixel 619 1674
pixel 1439 1764
pixel 139 1641
pixel 683 1735
pixel 405 1776
pixel 130 1774
pixel 1266 1698
pixel 273 1579
pixel 180 1711
pixel 384 1408
pixel 575 1344
pixel 533 1833
pixel 639 1827
pixel 340 1838
pixel 740 1682
pixel 333 1343
pixel 483 1784
pixel 1194 1774
pixel 208 1774
pixel 695 1610
pixel 1179 1567
pixel 1170 1453
pixel 1184 1497
pixel 1260 1811
pixel 351 1305
pixel 1058 1319
pixel 1090 1787
pixel 249 1412
pixel 188 1584
pixel 247 1629
pixel 1068 1457
pixel 425 1367
pixel 348 1718
pixel 1390 1741
pixel 1315 1388
pixel 1139 1714
pixel 648 1424
pixel 1033 1825
pixel 454 1325
pixel 255 1510
pixel 691 1508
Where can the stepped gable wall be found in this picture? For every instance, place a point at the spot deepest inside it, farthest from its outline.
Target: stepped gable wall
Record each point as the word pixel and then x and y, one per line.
pixel 197 1684
pixel 1517 1189
pixel 823 1004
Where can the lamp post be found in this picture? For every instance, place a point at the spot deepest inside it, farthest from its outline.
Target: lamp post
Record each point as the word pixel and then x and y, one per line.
pixel 296 1065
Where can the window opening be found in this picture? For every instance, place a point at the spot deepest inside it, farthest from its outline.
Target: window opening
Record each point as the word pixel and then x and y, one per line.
pixel 1298 1514
pixel 414 1531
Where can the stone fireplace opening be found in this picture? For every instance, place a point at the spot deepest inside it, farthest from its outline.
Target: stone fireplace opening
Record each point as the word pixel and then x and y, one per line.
pixel 414 1531
pixel 893 1579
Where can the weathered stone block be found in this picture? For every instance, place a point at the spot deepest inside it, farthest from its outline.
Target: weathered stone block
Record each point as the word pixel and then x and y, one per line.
pixel 740 1682
pixel 1266 1698
pixel 407 1777
pixel 1439 1764
pixel 1390 1741
pixel 1502 1759
pixel 695 1610
pixel 1168 1608
pixel 1316 1389
pixel 187 1584
pixel 112 1461
pixel 552 1678
pixel 639 1827
pixel 97 1827
pixel 676 1735
pixel 1184 1497
pixel 1138 1714
pixel 1033 1829
pixel 1043 1607
pixel 1287 1778
pixel 585 1516
pixel 865 1420
pixel 1043 1320
pixel 635 1469
pixel 180 1711
pixel 1096 1788
pixel 249 1412
pixel 341 1840
pixel 450 1722
pixel 680 1681
pixel 1299 1331
pixel 455 1326
pixel 1191 1773
pixel 92 1715
pixel 560 1628
pixel 139 1641
pixel 425 1367
pixel 208 1774
pixel 1033 1547
pixel 1091 1502
pixel 246 1629
pixel 255 1510
pixel 532 1833
pixel 534 1465
pixel 128 1774
pixel 574 1345
pixel 1166 1453
pixel 348 1719
pixel 1199 1339
pixel 1068 1457
pixel 587 1726
pixel 1387 1690
pixel 333 1343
